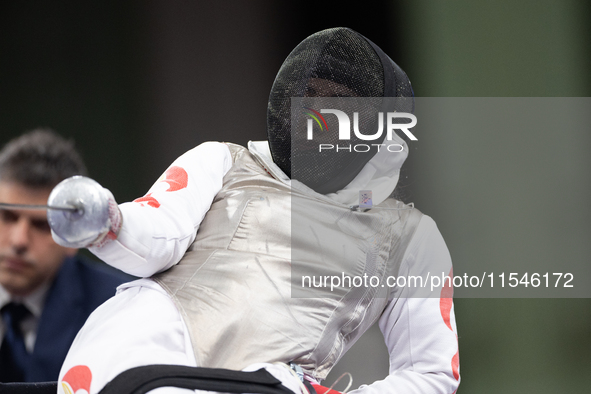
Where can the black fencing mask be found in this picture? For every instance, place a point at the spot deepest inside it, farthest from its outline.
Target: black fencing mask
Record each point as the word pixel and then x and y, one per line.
pixel 335 64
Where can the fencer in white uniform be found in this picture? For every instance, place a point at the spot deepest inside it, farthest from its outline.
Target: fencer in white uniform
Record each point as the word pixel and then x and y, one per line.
pixel 213 240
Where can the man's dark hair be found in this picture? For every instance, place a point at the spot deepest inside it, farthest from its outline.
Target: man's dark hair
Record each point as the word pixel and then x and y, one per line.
pixel 39 159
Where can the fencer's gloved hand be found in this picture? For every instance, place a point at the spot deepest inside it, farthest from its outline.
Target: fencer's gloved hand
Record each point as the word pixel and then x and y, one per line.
pixel 93 218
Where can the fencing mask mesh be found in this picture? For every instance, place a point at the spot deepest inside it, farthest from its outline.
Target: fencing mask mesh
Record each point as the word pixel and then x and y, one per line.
pixel 334 63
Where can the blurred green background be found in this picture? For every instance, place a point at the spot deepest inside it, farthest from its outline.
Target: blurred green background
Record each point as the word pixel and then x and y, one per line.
pixel 137 83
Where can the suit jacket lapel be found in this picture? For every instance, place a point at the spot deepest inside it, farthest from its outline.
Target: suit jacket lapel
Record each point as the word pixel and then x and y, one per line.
pixel 62 317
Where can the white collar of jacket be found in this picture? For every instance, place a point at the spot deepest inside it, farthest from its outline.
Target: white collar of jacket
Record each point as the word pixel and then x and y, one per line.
pixel 380 174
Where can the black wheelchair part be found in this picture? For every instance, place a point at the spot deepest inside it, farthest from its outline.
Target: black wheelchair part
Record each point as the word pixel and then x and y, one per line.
pixel 141 380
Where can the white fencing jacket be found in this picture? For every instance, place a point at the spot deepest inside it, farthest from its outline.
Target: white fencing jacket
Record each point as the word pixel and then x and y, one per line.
pixel 141 325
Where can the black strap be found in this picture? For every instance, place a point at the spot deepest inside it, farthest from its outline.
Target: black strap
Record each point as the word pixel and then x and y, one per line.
pixel 29 388
pixel 310 388
pixel 143 379
pixel 140 380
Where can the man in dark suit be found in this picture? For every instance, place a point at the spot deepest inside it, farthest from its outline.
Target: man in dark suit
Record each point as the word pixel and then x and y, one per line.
pixel 46 290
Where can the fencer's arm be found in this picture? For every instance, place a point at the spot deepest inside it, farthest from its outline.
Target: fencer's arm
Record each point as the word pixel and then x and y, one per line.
pixel 158 228
pixel 420 333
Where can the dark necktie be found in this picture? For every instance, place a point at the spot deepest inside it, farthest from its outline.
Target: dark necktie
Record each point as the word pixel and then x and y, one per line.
pixel 13 353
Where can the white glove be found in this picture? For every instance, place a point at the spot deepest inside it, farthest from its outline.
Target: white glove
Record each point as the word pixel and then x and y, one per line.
pixel 113 225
